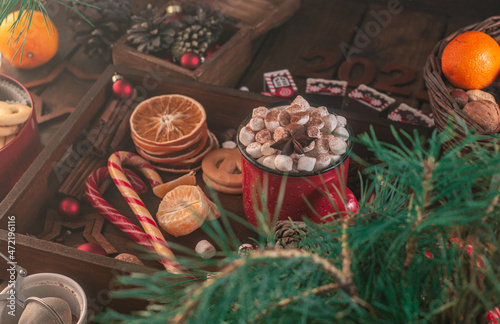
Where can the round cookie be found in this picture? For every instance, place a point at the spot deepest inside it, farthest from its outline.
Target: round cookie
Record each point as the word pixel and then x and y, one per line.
pixel 222 167
pixel 8 130
pixel 13 114
pixel 221 188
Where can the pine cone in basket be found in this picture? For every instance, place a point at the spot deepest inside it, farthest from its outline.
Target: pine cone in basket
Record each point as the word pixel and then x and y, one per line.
pixel 289 234
pixel 110 20
pixel 202 30
pixel 151 33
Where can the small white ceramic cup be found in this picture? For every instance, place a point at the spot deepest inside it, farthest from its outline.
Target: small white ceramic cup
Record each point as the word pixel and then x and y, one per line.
pixel 48 285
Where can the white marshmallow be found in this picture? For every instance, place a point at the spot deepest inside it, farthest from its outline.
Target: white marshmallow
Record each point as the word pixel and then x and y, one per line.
pixel 337 145
pixel 273 112
pixel 300 118
pixel 284 118
pixel 313 132
pixel 283 162
pixel 316 122
pixel 280 133
pixel 294 128
pixel 246 136
pixel 271 123
pixel 269 161
pixel 253 149
pixel 323 111
pixel 296 156
pixel 334 158
pixel 260 112
pixel 322 161
pixel 309 148
pixel 300 101
pixel 295 109
pixel 306 163
pixel 256 124
pixel 266 148
pixel 330 123
pixel 229 145
pixel 341 121
pixel 261 160
pixel 314 112
pixel 321 145
pixel 263 136
pixel 342 133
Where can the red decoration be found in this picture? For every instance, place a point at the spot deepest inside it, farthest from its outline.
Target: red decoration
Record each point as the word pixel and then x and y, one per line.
pixel 190 60
pixel 69 208
pixel 91 247
pixel 177 17
pixel 211 51
pixel 122 89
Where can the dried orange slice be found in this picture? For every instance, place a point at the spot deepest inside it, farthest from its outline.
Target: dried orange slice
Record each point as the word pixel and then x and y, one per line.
pixel 183 210
pixel 169 119
pixel 183 154
pixel 169 148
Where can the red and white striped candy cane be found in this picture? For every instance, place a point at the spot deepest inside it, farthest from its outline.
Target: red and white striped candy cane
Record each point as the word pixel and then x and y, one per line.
pixel 108 211
pixel 115 163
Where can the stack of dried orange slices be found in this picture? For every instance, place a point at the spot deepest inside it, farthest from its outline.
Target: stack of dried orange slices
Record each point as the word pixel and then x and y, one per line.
pixel 171 132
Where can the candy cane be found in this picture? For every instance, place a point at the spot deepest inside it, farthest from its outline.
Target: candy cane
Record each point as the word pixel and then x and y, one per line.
pixel 115 162
pixel 111 214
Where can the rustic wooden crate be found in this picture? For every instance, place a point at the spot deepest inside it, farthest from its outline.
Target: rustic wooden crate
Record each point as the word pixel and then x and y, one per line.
pixel 37 189
pixel 250 18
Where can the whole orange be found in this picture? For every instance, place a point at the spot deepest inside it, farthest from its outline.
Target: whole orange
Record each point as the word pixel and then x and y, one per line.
pixel 471 60
pixel 40 41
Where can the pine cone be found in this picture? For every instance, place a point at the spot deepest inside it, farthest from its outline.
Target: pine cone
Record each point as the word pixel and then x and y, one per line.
pixel 109 22
pixel 203 27
pixel 149 32
pixel 289 234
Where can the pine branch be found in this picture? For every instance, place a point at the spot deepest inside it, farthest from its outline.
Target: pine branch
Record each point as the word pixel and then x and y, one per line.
pixel 428 166
pixel 343 282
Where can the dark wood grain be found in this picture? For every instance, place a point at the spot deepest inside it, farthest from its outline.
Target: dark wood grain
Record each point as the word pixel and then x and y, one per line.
pixel 401 37
pixel 306 31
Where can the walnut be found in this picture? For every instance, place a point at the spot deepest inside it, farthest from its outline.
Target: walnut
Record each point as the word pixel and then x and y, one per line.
pixel 485 113
pixel 480 95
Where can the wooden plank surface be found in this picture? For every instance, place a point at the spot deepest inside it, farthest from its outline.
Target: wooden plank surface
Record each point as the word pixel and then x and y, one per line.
pixel 398 37
pixel 307 31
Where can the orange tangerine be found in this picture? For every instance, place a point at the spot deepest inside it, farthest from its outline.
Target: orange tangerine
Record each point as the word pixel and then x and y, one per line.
pixel 169 119
pixel 41 39
pixel 183 210
pixel 471 60
pixel 188 179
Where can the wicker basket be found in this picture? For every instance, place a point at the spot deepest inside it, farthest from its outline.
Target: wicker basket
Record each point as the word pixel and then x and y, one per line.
pixel 444 107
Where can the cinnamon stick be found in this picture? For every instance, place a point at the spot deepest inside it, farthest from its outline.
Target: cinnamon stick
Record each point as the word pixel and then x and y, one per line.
pixel 72 178
pixel 122 131
pixel 106 131
pixel 78 189
pixel 122 109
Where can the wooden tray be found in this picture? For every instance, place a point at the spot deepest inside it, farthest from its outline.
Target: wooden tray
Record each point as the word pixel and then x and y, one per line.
pixel 229 62
pixel 36 192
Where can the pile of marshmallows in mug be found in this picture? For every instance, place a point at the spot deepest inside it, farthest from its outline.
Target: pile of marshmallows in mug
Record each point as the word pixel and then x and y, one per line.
pixel 268 126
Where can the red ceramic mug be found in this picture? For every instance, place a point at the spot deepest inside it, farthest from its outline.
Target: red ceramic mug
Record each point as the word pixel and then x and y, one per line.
pixel 16 157
pixel 271 194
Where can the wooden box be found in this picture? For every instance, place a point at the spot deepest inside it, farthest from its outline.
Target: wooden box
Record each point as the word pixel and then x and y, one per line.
pixel 36 192
pixel 246 20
